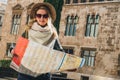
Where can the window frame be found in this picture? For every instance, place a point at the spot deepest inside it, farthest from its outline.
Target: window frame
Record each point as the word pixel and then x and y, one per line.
pixel 89 59
pixel 67 1
pixel 9 46
pixel 75 1
pixel 69 50
pixel 84 77
pixel 92 23
pixel 16 21
pixel 71 24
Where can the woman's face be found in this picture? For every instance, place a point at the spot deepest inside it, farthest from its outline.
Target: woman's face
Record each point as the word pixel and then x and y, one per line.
pixel 42 17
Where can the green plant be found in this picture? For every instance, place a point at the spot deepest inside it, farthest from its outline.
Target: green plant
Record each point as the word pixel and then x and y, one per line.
pixel 5 63
pixel 58 4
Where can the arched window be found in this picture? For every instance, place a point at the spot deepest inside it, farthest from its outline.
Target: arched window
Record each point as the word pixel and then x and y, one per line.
pixel 16 19
pixel 92 25
pixel 28 12
pixel 71 23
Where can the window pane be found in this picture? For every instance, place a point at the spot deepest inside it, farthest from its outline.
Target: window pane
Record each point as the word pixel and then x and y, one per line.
pixel 75 1
pixel 92 61
pixel 67 2
pixel 82 1
pixel 88 30
pixel 28 19
pixel 86 53
pixel 96 30
pixel 84 78
pixel 92 30
pixel 91 0
pixel 9 46
pixel 92 53
pixel 67 25
pixel 68 50
pixel 15 24
pixel 74 29
pixel 88 19
pixel 100 0
pixel 71 30
pixel 89 61
pixel 68 19
pixel 67 29
pixel 97 19
pixel 86 60
pixel 89 57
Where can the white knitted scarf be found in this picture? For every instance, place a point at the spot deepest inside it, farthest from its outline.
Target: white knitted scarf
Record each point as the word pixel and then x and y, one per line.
pixel 39 34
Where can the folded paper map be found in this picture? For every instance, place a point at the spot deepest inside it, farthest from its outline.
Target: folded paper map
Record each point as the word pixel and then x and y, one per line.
pixel 38 59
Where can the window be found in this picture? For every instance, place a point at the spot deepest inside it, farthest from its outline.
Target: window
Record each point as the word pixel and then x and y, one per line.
pixel 91 0
pixel 92 25
pixel 15 24
pixel 84 78
pixel 71 24
pixel 16 18
pixel 89 56
pixel 9 47
pixel 29 7
pixel 68 50
pixel 28 19
pixel 100 0
pixel 75 1
pixel 82 1
pixel 67 2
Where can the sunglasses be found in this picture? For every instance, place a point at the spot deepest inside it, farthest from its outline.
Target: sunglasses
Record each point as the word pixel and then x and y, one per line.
pixel 42 15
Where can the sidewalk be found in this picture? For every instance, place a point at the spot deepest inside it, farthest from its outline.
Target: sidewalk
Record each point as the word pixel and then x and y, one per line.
pixel 8 78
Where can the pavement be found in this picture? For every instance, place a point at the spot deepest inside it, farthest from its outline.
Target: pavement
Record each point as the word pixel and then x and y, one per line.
pixel 7 78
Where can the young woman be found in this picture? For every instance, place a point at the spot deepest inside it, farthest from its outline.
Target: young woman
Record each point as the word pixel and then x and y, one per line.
pixel 42 31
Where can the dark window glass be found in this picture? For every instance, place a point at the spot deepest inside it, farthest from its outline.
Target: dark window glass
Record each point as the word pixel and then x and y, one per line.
pixel 10 46
pixel 69 50
pixel 82 1
pixel 28 19
pixel 91 0
pixel 84 78
pixel 100 0
pixel 67 2
pixel 75 1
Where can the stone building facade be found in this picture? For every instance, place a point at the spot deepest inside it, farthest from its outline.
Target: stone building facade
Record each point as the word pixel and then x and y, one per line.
pixel 2 12
pixel 16 15
pixel 88 28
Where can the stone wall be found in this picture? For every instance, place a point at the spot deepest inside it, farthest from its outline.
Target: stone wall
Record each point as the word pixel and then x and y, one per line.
pixel 6 37
pixel 106 42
